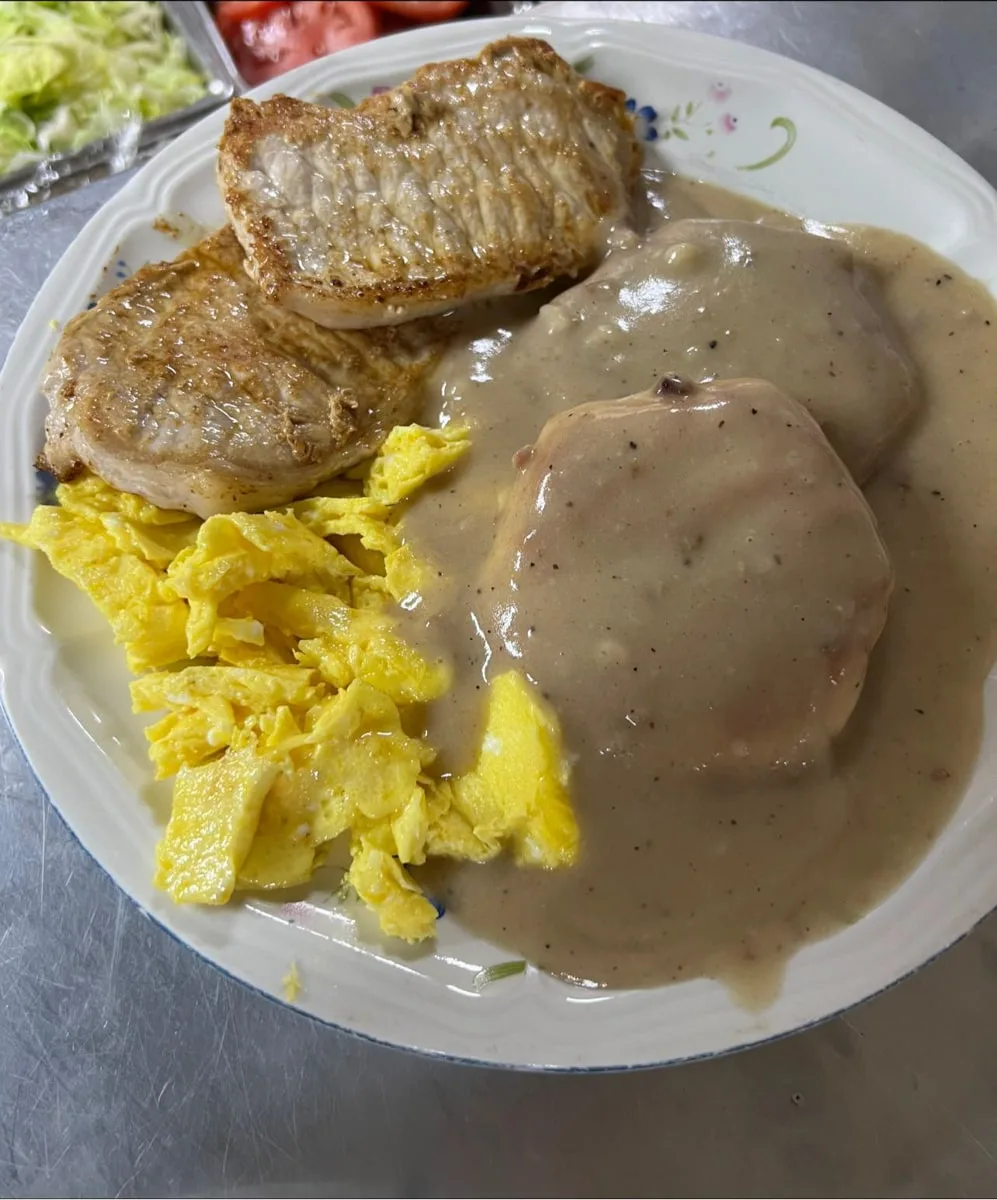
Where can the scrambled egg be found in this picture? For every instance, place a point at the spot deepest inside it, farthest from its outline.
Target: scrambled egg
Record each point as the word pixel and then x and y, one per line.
pixel 268 642
pixel 291 983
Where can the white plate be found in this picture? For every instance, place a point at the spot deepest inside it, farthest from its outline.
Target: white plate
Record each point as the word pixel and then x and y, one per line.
pixel 726 109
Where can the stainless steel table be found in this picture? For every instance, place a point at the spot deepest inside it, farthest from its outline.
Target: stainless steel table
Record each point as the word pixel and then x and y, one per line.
pixel 130 1067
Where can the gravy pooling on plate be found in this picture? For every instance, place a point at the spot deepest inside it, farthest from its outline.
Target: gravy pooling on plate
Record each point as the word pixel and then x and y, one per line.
pixel 687 874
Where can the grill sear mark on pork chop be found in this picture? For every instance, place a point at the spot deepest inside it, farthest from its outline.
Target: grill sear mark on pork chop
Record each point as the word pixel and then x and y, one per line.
pixel 477 177
pixel 186 386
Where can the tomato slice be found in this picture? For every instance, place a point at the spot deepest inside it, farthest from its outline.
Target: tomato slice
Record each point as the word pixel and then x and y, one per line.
pixel 422 10
pixel 298 33
pixel 234 11
pixel 229 14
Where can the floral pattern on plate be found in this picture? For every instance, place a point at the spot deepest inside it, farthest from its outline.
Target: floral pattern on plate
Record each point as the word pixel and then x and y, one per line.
pixel 686 121
pixel 695 119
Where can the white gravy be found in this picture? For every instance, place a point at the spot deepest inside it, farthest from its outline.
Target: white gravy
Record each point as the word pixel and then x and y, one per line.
pixel 679 879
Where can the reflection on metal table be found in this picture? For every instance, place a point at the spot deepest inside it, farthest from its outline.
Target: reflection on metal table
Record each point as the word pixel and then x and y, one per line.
pixel 129 1066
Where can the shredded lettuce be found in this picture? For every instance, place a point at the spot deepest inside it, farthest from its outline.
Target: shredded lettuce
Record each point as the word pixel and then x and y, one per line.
pixel 74 71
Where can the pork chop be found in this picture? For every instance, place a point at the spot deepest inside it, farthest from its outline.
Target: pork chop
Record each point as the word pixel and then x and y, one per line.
pixel 185 386
pixel 478 177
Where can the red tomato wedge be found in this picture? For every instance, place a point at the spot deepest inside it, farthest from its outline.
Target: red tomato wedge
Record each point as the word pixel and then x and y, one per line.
pixel 229 14
pixel 418 10
pixel 232 11
pixel 293 34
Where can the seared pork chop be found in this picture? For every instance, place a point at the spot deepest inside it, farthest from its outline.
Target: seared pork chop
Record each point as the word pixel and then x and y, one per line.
pixel 185 386
pixel 478 177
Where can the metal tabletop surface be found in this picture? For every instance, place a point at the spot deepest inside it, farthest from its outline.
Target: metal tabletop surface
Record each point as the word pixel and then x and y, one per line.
pixel 129 1066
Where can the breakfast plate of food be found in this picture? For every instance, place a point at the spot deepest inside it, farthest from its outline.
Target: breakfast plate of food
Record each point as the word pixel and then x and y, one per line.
pixel 496 543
